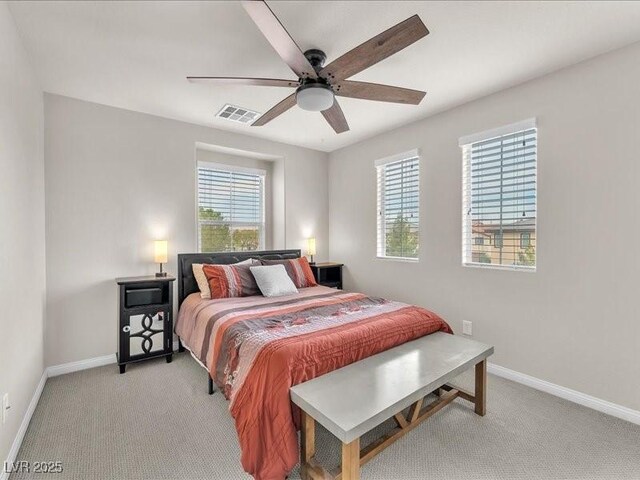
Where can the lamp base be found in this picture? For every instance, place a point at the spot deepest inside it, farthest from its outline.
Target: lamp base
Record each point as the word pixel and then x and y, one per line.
pixel 161 273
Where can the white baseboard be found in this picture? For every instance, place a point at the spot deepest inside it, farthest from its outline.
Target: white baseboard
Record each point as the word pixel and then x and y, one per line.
pixel 56 370
pixel 574 396
pixel 17 442
pixel 71 367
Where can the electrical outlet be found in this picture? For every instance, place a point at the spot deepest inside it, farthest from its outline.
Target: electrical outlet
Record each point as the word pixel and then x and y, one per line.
pixel 467 327
pixel 5 407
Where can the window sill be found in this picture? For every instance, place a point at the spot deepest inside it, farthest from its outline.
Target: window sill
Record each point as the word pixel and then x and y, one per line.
pixel 488 266
pixel 398 259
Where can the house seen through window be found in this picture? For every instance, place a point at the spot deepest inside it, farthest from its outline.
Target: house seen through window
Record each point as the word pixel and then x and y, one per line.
pixel 500 197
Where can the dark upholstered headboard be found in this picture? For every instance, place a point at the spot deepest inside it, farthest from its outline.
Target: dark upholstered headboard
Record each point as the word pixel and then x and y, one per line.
pixel 187 282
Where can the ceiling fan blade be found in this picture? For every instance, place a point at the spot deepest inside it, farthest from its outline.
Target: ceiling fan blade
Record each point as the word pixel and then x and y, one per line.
pixel 279 38
pixel 375 49
pixel 378 92
pixel 260 82
pixel 335 117
pixel 278 109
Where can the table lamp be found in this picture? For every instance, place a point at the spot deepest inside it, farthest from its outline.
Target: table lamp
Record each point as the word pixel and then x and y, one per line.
pixel 311 249
pixel 161 256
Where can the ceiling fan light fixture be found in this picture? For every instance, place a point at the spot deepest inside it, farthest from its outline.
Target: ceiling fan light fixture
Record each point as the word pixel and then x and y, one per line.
pixel 314 97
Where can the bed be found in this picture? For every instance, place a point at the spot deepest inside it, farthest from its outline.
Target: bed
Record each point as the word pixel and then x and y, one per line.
pixel 255 349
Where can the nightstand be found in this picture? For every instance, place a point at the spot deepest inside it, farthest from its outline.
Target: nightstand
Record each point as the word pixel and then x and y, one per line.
pixel 145 324
pixel 328 274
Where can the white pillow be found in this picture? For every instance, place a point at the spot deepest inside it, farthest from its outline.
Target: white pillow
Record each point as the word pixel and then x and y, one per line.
pixel 273 280
pixel 201 278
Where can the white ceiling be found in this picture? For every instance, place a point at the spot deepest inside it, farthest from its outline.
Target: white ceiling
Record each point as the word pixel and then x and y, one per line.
pixel 135 55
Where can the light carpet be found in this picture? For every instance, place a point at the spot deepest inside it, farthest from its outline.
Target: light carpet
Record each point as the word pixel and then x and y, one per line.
pixel 157 422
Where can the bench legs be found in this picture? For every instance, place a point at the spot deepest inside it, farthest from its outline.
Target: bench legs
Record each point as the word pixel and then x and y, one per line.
pixel 480 394
pixel 310 470
pixel 479 397
pixel 351 460
pixel 352 457
pixel 307 438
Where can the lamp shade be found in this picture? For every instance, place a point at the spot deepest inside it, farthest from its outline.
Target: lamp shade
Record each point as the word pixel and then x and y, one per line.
pixel 311 246
pixel 161 251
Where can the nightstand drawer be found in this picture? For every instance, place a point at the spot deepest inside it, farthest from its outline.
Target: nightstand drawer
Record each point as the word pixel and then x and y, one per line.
pixel 138 297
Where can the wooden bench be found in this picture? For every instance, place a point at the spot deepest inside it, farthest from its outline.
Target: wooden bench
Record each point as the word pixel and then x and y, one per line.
pixel 353 400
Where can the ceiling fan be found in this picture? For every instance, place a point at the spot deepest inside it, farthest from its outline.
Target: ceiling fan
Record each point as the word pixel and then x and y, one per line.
pixel 317 84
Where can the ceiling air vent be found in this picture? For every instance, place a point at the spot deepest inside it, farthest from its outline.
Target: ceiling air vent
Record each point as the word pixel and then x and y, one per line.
pixel 238 114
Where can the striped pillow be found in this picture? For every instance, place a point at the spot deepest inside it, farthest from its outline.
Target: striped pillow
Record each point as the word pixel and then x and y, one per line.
pixel 201 278
pixel 227 281
pixel 298 270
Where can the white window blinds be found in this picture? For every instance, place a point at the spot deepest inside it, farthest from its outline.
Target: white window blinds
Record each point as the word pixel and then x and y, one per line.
pixel 399 207
pixel 230 209
pixel 499 198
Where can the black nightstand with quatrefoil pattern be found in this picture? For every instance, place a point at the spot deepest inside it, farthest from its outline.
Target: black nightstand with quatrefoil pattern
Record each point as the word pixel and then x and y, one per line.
pixel 145 326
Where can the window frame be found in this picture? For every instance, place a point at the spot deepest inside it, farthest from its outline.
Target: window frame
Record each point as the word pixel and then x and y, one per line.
pixel 232 169
pixel 380 214
pixel 467 142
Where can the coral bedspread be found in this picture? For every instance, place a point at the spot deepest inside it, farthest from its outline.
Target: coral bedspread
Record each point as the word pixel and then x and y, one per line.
pixel 257 348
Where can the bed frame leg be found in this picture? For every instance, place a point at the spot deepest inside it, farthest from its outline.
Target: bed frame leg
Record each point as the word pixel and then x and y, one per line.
pixel 180 346
pixel 211 390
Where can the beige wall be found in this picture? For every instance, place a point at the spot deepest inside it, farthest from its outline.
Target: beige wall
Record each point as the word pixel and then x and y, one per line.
pixel 22 283
pixel 117 179
pixel 575 321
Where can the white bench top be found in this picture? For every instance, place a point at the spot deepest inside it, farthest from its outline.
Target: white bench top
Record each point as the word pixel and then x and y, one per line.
pixel 354 399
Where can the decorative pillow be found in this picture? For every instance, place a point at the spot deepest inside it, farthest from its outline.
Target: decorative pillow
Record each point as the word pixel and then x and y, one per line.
pixel 201 278
pixel 273 280
pixel 298 270
pixel 227 281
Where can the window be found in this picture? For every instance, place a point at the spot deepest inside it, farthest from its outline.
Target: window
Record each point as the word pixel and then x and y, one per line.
pixel 479 241
pixel 398 206
pixel 500 196
pixel 230 208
